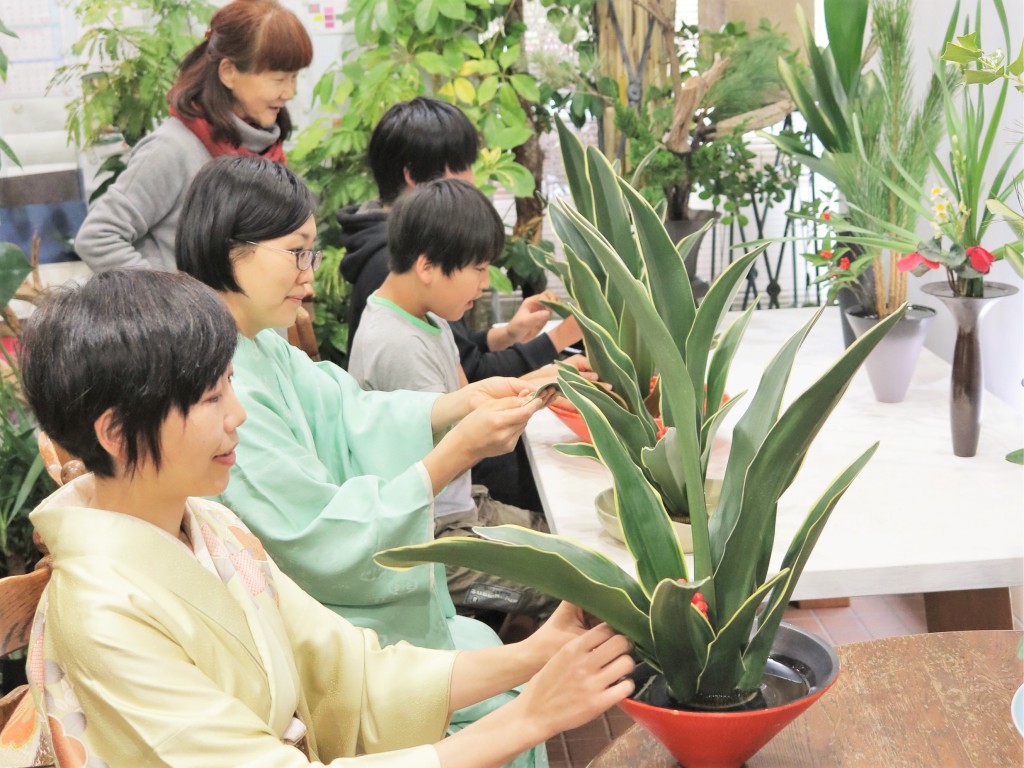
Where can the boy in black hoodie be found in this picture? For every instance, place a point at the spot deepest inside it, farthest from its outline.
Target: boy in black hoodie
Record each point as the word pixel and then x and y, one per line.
pixel 417 141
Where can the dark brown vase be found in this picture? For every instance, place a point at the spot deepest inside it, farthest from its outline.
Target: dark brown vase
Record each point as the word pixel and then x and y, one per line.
pixel 678 229
pixel 968 378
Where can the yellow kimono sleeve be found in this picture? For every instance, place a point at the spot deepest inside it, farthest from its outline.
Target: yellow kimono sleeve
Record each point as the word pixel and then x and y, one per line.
pixel 399 695
pixel 143 701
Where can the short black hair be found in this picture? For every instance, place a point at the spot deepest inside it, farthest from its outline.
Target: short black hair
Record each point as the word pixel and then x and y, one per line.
pixel 424 136
pixel 234 199
pixel 448 220
pixel 136 341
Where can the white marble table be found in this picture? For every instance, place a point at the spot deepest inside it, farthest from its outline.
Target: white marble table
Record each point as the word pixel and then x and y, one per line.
pixel 917 519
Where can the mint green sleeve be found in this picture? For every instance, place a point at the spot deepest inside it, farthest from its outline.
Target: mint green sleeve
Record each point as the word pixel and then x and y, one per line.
pixel 327 475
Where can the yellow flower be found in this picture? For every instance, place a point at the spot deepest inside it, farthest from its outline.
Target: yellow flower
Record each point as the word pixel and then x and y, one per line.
pixel 936 191
pixel 963 208
pixel 940 208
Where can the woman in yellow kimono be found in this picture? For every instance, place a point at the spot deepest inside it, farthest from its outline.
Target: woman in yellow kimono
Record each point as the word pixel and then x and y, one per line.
pixel 167 636
pixel 327 475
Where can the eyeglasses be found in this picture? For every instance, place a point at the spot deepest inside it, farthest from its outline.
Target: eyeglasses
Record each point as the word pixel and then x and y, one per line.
pixel 304 257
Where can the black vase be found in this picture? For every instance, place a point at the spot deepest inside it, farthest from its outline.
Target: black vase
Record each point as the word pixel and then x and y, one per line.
pixel 678 229
pixel 968 378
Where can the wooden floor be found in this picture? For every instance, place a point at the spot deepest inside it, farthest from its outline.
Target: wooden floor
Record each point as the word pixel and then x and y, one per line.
pixel 867 618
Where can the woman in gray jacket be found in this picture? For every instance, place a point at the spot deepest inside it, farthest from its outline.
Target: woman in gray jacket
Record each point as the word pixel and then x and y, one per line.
pixel 229 99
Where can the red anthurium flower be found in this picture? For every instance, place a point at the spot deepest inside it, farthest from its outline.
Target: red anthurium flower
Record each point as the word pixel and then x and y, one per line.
pixel 911 260
pixel 981 259
pixel 826 216
pixel 826 254
pixel 844 263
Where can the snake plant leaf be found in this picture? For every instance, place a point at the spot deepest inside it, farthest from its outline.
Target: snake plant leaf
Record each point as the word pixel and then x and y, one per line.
pixel 710 314
pixel 667 473
pixel 675 381
pixel 773 467
pixel 749 433
pixel 726 653
pixel 667 281
pixel 681 635
pixel 575 162
pixel 586 450
pixel 547 261
pixel 632 343
pixel 796 558
pixel 610 362
pixel 558 308
pixel 710 428
pixel 589 295
pixel 610 215
pixel 721 361
pixel 635 432
pixel 646 527
pixel 551 564
pixel 572 240
pixel 845 21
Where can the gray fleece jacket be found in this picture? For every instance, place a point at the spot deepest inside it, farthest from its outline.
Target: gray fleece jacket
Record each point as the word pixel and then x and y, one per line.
pixel 133 223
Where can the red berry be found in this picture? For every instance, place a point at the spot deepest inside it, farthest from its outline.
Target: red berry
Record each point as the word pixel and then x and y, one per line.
pixel 681 581
pixel 826 216
pixel 844 263
pixel 826 254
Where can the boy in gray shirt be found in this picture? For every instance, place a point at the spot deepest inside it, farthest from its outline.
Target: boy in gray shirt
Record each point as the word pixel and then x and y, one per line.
pixel 443 236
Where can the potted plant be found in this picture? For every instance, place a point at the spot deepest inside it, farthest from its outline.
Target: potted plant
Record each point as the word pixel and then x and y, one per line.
pixel 686 138
pixel 959 209
pixel 708 635
pixel 860 109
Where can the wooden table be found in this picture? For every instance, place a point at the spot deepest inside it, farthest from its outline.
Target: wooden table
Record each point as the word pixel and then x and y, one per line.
pixel 939 699
pixel 917 520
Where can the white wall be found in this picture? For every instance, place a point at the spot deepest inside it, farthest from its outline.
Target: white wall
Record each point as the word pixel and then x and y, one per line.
pixel 1003 330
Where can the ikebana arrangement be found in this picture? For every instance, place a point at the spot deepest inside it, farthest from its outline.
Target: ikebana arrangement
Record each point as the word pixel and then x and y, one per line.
pixel 706 635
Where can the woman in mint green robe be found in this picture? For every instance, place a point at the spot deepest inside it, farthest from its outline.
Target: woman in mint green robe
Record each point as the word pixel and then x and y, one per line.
pixel 327 474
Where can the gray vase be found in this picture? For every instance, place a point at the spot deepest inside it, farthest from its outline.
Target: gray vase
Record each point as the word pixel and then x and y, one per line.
pixel 891 364
pixel 967 383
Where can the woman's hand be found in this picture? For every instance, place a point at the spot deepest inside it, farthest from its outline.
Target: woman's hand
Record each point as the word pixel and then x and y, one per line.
pixel 489 429
pixel 584 678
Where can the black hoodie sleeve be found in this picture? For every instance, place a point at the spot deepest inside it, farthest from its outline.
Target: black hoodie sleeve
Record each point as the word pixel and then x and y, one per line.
pixel 516 360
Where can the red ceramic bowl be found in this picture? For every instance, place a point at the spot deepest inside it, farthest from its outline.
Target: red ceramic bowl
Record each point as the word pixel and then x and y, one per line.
pixel 573 420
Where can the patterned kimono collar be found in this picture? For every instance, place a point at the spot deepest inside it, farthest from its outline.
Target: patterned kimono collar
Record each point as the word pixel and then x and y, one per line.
pixel 221 546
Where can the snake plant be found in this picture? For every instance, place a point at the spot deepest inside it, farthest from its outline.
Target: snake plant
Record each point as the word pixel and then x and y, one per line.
pixel 632 293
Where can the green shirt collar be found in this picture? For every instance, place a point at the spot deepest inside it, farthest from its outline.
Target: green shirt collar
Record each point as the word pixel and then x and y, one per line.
pixel 419 323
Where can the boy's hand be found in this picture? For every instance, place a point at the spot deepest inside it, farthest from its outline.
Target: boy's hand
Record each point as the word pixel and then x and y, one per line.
pixel 530 318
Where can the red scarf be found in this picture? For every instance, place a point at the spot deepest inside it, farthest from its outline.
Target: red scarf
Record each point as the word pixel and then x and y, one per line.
pixel 204 132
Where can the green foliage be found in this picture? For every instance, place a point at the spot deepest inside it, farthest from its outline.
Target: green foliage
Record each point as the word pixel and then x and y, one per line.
pixel 720 166
pixel 330 323
pixel 127 68
pixel 14 268
pixel 990 66
pixel 23 483
pixel 624 273
pixel 468 53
